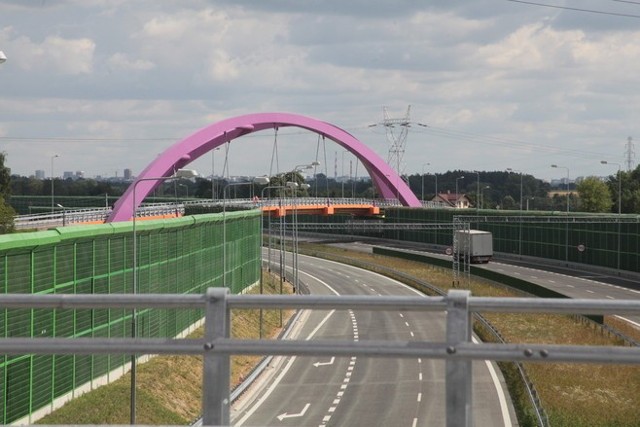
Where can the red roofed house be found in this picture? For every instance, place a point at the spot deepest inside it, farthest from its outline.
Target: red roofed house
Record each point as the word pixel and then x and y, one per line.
pixel 459 201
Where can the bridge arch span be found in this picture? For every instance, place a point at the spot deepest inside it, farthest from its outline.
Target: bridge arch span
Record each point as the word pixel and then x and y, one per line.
pixel 388 183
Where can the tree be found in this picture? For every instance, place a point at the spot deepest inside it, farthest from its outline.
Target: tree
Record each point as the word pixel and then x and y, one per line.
pixel 5 177
pixel 594 195
pixel 509 203
pixel 6 212
pixel 6 217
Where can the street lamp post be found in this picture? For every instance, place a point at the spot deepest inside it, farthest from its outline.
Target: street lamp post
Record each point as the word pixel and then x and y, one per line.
pixel 303 186
pixel 520 172
pixel 295 219
pixel 269 187
pixel 52 190
pixel 564 167
pixel 342 177
pixel 293 186
pixel 520 206
pixel 457 195
pixel 64 214
pixel 566 246
pixel 181 173
pixel 425 164
pixel 213 173
pixel 604 162
pixel 262 180
pixel 294 232
pixel 482 195
pixel 435 176
pixel 530 198
pixel 186 187
pixel 477 188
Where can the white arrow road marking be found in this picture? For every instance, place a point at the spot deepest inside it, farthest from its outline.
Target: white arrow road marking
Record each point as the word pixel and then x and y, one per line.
pixel 325 363
pixel 285 415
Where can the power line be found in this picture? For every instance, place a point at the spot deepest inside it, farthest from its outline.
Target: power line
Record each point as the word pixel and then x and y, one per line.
pixel 76 139
pixel 577 9
pixel 504 142
pixel 627 1
pixel 65 139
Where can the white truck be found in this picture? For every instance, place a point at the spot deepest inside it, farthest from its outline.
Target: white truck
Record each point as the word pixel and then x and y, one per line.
pixel 479 244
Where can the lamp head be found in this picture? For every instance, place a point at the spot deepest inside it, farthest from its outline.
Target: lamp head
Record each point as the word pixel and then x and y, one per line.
pixel 261 180
pixel 186 173
pixel 3 57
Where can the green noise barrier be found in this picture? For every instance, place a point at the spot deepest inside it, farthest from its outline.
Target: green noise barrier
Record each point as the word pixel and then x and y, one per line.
pixel 598 243
pixel 182 255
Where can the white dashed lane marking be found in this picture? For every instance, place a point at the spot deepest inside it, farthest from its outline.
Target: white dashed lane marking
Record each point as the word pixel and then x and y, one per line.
pixel 347 375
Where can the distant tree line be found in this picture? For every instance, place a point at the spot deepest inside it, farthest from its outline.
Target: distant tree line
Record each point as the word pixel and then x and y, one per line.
pixel 490 190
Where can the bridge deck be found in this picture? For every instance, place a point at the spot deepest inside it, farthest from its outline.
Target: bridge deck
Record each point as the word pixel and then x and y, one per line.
pixel 356 209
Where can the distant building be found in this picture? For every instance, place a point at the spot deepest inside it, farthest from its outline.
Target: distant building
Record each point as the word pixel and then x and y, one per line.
pixel 39 174
pixel 73 175
pixel 127 174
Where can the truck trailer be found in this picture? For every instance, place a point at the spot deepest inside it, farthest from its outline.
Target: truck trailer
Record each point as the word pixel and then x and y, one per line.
pixel 478 243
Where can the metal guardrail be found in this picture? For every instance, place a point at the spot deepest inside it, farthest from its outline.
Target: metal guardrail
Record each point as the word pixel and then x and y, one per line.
pixel 305 201
pixel 64 216
pixel 364 226
pixel 216 346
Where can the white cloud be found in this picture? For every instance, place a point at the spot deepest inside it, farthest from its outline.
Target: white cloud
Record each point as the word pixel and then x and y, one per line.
pixel 533 47
pixel 54 54
pixel 121 61
pixel 151 70
pixel 222 67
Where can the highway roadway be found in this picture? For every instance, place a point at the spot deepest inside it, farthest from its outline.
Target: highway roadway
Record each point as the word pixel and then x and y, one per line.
pixel 568 282
pixel 323 391
pixel 576 285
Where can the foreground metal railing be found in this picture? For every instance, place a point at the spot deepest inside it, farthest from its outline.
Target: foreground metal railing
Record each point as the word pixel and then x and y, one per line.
pixel 216 346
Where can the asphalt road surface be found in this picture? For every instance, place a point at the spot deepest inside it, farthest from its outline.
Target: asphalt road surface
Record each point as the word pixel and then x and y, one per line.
pixel 581 284
pixel 360 391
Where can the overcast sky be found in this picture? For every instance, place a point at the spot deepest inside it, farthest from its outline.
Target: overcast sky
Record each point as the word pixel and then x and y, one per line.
pixel 110 84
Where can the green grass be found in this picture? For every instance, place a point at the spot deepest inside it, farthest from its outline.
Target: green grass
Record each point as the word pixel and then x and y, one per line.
pixel 169 388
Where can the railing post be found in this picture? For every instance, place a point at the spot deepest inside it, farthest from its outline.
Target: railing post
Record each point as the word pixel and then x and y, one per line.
pixel 216 367
pixel 458 372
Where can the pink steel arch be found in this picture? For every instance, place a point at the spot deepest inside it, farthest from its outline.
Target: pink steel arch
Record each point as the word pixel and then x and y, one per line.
pixel 386 180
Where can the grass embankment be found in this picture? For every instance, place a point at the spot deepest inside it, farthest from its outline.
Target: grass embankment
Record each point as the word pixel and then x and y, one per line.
pixel 169 388
pixel 573 395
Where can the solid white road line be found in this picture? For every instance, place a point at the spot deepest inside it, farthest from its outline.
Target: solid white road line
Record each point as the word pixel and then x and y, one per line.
pixel 272 387
pixel 504 408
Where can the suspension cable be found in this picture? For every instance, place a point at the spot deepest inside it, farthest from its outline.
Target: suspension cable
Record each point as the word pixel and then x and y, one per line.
pixel 274 152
